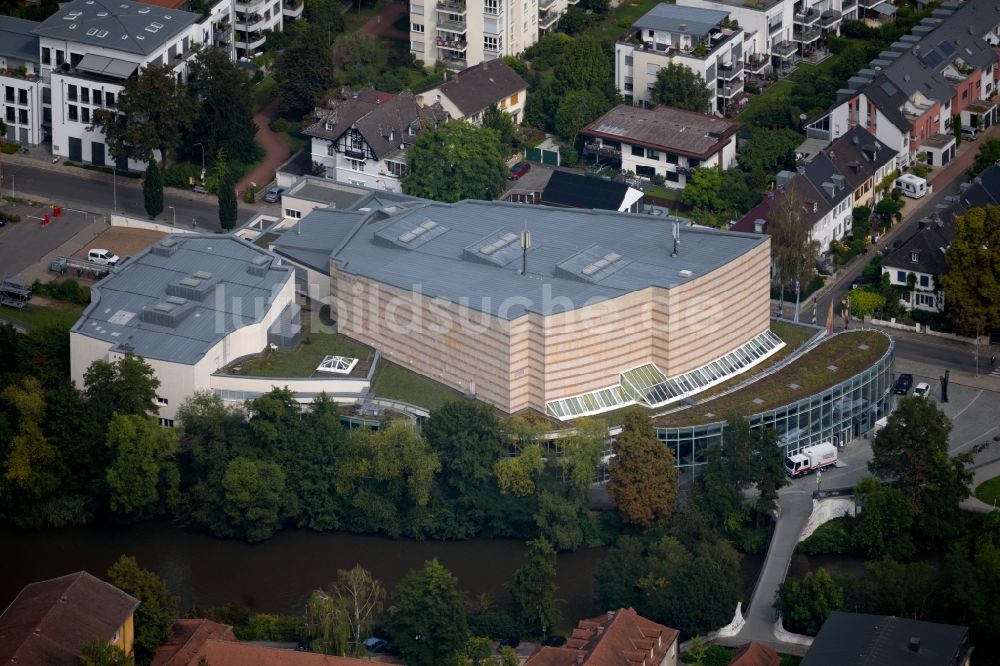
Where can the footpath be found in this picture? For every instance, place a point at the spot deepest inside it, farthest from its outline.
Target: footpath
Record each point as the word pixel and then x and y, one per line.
pixel 275 146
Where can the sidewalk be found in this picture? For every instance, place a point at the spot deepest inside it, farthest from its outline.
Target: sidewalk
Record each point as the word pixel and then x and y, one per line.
pixel 274 144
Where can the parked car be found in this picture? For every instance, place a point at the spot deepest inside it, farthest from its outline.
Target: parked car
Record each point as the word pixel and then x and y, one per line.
pixel 903 384
pixel 379 646
pixel 303 645
pixel 200 189
pixel 554 641
pixel 273 195
pixel 969 133
pixel 519 170
pixel 512 642
pixel 921 390
pixel 102 257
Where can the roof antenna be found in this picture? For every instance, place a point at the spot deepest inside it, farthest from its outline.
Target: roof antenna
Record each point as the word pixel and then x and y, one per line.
pixel 677 239
pixel 525 245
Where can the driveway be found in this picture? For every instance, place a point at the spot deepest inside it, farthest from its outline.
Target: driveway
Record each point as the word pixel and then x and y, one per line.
pixel 277 151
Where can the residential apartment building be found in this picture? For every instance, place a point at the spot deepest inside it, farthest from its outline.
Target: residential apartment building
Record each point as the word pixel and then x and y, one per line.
pixel 908 95
pixel 361 138
pixel 661 141
pixel 60 71
pixel 470 92
pixel 702 40
pixel 463 33
pixel 255 18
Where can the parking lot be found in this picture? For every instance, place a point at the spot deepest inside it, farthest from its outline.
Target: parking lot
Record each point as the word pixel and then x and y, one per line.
pixel 124 242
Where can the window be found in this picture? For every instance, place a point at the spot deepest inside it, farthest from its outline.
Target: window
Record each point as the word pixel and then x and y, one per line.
pixel 75 58
pixel 652 154
pixel 84 114
pixel 162 401
pixel 22 116
pixel 643 170
pixel 293 214
pixel 901 277
pixel 60 57
pixel 47 115
pixel 22 96
pixel 692 163
pixel 672 159
pixel 397 169
pixel 638 151
pixel 10 114
pixel 97 97
pixel 355 165
pixel 628 61
pixel 417 27
pixel 514 98
pixel 85 95
pixel 357 142
pixel 167 423
pixel 71 92
pixel 925 281
pixel 72 112
pixel 9 94
pixel 331 149
pixel 46 55
pixel 109 99
pixel 965 94
pixel 491 7
pixel 417 47
pixel 914 257
pixel 417 10
pixel 491 42
pixel 652 68
pixel 673 177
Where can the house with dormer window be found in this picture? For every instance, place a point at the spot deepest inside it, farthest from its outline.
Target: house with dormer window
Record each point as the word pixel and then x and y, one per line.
pixel 922 256
pixel 360 138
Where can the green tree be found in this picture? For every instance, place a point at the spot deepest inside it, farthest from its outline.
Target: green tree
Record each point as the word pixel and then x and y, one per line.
pixel 224 118
pixel 912 452
pixel 225 183
pixel 902 589
pixel 988 155
pixel 793 251
pixel 883 528
pixel 157 607
pixel 309 461
pixel 532 589
pixel 502 123
pixel 576 20
pixel 304 72
pixel 584 65
pixel 865 302
pixel 153 113
pixel 680 87
pixel 99 652
pixel 770 150
pixel 256 498
pixel 364 58
pixel 143 475
pixel 716 191
pixel 455 161
pixel 703 593
pixel 577 108
pixel 642 474
pixel 517 474
pixel 362 598
pixel 804 605
pixel 326 623
pixel 152 190
pixel 972 294
pixel 30 462
pixel 427 617
pixel 125 386
pixel 887 210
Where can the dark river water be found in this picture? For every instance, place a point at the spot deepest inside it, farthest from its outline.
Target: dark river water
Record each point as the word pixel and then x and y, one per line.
pixel 276 576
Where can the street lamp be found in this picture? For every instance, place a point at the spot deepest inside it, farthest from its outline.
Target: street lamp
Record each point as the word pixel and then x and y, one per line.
pixel 202 146
pixel 114 189
pixel 174 211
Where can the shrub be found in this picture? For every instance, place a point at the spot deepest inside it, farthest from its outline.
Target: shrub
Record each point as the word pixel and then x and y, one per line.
pixel 179 175
pixel 10 148
pixel 250 194
pixel 830 538
pixel 279 125
pixel 267 627
pixel 865 302
pixel 10 217
pixel 493 623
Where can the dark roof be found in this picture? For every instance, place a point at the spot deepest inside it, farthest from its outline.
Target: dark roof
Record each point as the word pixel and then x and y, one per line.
pixel 378 116
pixel 187 637
pixel 17 40
pixel 824 176
pixel 812 208
pixel 118 26
pixel 476 88
pixel 889 100
pixel 572 190
pixel 665 128
pixel 928 244
pixel 692 21
pixel 618 638
pixel 857 155
pixel 50 621
pixel 849 639
pixel 311 240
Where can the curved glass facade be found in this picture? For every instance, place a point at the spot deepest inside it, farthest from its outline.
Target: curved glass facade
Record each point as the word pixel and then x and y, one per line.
pixel 839 414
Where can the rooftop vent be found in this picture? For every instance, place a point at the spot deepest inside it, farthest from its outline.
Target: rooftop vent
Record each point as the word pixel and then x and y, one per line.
pixel 92 32
pixel 166 247
pixel 102 34
pixel 144 10
pixel 192 288
pixel 498 244
pixel 685 273
pixel 423 228
pixel 157 25
pixel 914 644
pixel 102 13
pixel 167 313
pixel 259 265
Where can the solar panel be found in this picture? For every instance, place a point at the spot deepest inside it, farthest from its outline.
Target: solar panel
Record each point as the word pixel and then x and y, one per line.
pixel 946 47
pixel 888 88
pixel 932 59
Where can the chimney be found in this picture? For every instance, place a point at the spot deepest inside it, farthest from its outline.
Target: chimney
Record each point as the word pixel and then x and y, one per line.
pixel 525 246
pixel 914 645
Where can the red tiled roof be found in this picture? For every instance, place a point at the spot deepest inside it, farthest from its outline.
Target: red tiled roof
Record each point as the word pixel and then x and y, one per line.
pixel 228 653
pixel 50 621
pixel 618 638
pixel 186 638
pixel 755 654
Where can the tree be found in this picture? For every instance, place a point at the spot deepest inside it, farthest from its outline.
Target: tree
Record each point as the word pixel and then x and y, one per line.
pixel 153 113
pixel 793 251
pixel 988 155
pixel 770 150
pixel 972 294
pixel 533 588
pixel 716 191
pixel 99 652
pixel 517 474
pixel 364 58
pixel 224 118
pixel 143 476
pixel 255 498
pixel 584 65
pixel 226 188
pixel 577 108
pixel 804 605
pixel 362 599
pixel 680 87
pixel 703 593
pixel 865 302
pixel 125 386
pixel 157 607
pixel 502 123
pixel 326 623
pixel 427 618
pixel 455 161
pixel 887 210
pixel 304 72
pixel 883 528
pixel 642 474
pixel 912 452
pixel 152 190
pixel 576 20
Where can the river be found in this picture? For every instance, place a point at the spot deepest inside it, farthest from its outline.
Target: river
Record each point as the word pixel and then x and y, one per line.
pixel 276 576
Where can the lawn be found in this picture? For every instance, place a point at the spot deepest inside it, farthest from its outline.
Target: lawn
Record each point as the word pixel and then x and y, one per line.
pixel 398 383
pixel 620 19
pixel 810 372
pixel 989 491
pixel 303 361
pixel 57 314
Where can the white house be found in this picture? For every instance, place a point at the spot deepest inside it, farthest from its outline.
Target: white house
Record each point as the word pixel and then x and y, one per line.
pixel 662 141
pixel 470 92
pixel 923 257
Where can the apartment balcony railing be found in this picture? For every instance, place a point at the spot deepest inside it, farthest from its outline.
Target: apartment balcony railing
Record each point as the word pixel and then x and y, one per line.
pixel 730 71
pixel 455 45
pixel 847 5
pixel 598 148
pixel 253 41
pixel 545 4
pixel 784 49
pixel 730 90
pixel 830 18
pixel 806 36
pixel 251 6
pixel 807 18
pixel 757 63
pixel 451 25
pixel 451 62
pixel 253 23
pixel 456 8
pixel 547 19
pixel 292 10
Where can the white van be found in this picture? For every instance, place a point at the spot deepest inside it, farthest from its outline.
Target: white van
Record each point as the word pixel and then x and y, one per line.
pixel 912 186
pixel 102 257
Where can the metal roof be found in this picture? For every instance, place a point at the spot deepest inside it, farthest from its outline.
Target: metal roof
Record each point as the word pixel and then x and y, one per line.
pixel 118 25
pixel 846 639
pixel 16 40
pixel 687 20
pixel 311 240
pixel 665 128
pixel 177 299
pixel 564 261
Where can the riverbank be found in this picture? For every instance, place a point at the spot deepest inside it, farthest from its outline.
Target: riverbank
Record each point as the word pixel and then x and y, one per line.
pixel 277 576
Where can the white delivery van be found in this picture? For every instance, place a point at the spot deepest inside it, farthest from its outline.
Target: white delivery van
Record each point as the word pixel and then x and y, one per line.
pixel 811 459
pixel 102 257
pixel 912 186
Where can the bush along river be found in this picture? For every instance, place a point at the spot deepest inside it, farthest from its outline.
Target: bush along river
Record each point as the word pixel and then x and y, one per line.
pixel 276 576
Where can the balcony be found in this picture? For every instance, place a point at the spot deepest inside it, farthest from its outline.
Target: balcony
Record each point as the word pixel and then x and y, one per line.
pixel 455 8
pixel 807 36
pixel 452 45
pixel 253 22
pixel 547 19
pixel 729 90
pixel 830 18
pixel 251 42
pixel 251 7
pixel 597 148
pixel 757 63
pixel 784 50
pixel 545 4
pixel 730 71
pixel 848 5
pixel 292 10
pixel 807 18
pixel 451 62
pixel 456 26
